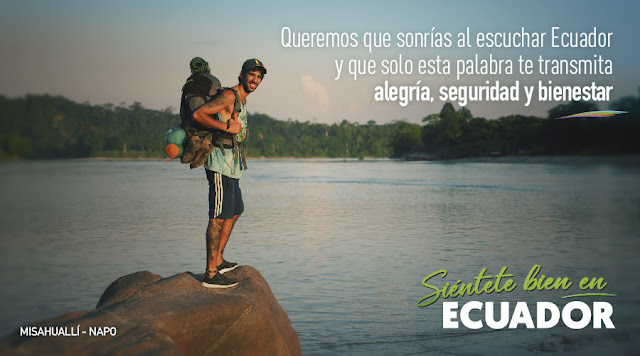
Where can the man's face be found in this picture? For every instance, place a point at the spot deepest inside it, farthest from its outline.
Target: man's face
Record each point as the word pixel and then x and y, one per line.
pixel 251 80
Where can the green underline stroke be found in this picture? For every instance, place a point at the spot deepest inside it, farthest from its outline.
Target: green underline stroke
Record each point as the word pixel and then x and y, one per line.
pixel 590 295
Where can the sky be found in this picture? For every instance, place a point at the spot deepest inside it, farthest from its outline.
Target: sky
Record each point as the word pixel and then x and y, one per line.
pixel 122 52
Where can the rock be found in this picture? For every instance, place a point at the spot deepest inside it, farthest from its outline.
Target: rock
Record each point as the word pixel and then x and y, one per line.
pixel 172 316
pixel 124 287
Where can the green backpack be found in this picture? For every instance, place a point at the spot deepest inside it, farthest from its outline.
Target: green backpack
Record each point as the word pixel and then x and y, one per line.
pixel 192 142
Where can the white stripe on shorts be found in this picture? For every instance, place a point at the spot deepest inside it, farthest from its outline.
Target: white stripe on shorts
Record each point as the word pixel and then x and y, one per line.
pixel 219 193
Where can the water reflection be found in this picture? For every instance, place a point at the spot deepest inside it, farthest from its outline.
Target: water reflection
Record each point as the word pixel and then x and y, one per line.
pixel 344 245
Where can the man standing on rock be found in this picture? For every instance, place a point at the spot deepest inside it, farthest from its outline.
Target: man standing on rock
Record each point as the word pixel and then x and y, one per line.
pixel 227 114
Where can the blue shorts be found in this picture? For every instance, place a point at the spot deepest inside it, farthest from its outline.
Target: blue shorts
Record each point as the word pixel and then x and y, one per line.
pixel 225 197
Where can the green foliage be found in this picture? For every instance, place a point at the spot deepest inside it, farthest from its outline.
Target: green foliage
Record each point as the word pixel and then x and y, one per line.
pixel 521 134
pixel 269 137
pixel 43 126
pixel 406 139
pixel 453 134
pixel 444 133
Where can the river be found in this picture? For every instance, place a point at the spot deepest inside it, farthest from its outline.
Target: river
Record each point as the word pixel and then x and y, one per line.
pixel 344 244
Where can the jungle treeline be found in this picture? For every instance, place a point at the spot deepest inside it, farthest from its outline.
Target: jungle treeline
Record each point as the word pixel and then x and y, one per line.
pixel 44 126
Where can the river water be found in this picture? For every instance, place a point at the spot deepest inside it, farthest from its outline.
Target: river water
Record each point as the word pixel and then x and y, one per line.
pixel 344 245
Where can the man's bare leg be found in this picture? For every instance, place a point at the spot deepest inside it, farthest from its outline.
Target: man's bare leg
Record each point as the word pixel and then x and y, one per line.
pixel 214 231
pixel 227 227
pixel 218 233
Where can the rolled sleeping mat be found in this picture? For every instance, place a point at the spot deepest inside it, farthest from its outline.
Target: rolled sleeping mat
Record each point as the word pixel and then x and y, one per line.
pixel 174 141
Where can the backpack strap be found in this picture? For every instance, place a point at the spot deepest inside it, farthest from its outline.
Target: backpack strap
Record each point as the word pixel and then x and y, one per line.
pixel 238 147
pixel 223 139
pixel 237 105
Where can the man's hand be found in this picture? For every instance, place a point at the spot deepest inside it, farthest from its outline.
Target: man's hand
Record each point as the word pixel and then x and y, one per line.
pixel 234 126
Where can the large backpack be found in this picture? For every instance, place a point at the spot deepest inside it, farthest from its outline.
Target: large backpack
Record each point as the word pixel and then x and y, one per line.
pixel 196 91
pixel 198 141
pixel 201 142
pixel 199 88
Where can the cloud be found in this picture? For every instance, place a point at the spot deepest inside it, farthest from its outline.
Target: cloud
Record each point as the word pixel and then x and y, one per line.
pixel 314 89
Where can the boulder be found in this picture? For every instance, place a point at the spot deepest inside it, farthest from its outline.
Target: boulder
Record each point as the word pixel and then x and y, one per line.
pixel 152 315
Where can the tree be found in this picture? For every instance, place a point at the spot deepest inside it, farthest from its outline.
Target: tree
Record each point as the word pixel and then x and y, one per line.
pixel 570 135
pixel 446 129
pixel 406 139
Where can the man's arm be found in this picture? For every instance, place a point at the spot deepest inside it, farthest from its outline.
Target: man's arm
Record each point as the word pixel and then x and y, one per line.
pixel 220 104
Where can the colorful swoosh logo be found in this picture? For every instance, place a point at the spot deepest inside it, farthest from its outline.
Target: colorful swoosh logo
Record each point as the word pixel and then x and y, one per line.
pixel 606 113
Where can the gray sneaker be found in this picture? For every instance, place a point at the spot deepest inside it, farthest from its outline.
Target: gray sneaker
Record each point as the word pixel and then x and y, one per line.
pixel 226 266
pixel 218 281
